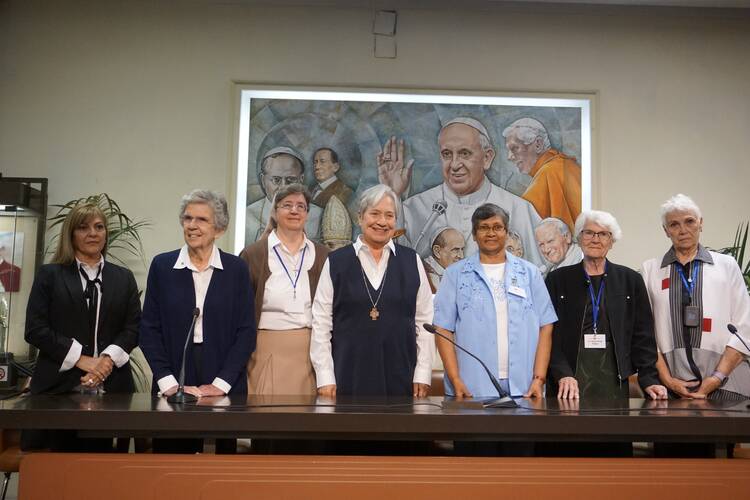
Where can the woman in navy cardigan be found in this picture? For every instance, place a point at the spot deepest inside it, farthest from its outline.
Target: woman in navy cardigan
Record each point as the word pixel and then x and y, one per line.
pixel 201 276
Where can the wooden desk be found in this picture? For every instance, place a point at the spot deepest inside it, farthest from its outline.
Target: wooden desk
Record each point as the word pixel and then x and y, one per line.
pixel 378 419
pixel 166 477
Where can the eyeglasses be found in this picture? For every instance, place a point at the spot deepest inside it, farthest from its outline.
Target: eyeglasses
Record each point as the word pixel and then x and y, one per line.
pixel 497 228
pixel 300 207
pixel 277 180
pixel 189 219
pixel 588 234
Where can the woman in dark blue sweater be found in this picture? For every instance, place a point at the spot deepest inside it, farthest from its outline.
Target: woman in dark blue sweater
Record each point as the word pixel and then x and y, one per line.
pixel 199 277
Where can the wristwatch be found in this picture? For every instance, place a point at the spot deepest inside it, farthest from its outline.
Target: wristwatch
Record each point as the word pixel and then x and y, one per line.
pixel 722 377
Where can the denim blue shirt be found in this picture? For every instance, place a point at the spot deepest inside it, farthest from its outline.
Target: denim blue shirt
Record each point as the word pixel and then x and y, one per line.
pixel 464 305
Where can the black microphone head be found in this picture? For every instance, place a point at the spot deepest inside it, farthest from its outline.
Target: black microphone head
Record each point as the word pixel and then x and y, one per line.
pixel 196 312
pixel 732 328
pixel 429 327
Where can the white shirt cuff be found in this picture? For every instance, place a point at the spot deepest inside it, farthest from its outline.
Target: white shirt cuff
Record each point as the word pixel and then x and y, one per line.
pixel 423 376
pixel 118 355
pixel 166 383
pixel 221 385
pixel 325 377
pixel 74 354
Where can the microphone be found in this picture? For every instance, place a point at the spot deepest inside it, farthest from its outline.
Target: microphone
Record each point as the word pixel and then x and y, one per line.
pixel 438 209
pixel 733 330
pixel 181 397
pixel 504 401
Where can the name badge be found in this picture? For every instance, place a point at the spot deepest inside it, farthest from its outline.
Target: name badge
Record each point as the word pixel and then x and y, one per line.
pixel 517 290
pixel 595 341
pixel 691 316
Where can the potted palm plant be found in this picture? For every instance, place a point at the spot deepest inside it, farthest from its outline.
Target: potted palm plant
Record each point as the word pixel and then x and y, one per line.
pixel 737 250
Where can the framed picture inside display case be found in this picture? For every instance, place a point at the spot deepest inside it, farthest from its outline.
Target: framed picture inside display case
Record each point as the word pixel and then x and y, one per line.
pixel 443 153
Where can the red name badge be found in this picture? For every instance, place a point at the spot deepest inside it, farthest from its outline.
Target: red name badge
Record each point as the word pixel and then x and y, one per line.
pixel 665 283
pixel 707 325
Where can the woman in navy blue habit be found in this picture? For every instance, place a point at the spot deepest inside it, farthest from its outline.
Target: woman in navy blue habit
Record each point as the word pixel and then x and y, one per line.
pixel 372 299
pixel 201 276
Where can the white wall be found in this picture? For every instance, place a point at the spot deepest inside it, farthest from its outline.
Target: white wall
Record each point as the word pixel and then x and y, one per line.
pixel 135 98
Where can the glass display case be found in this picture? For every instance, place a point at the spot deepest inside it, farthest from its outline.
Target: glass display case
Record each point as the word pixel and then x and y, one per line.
pixel 23 213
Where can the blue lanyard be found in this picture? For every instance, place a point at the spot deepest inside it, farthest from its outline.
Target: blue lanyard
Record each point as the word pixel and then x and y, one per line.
pixel 595 301
pixel 295 280
pixel 689 284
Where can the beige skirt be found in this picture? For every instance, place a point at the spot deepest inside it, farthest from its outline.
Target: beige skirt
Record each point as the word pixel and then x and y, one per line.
pixel 281 363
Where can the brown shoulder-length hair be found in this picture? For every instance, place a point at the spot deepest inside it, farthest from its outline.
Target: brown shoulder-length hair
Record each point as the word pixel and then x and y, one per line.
pixel 80 214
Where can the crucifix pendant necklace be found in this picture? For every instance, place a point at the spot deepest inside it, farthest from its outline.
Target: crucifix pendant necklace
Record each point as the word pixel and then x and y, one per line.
pixel 374 313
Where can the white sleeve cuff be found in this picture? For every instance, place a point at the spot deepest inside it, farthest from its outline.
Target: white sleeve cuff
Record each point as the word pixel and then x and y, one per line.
pixel 74 354
pixel 221 385
pixel 423 375
pixel 325 377
pixel 166 383
pixel 118 355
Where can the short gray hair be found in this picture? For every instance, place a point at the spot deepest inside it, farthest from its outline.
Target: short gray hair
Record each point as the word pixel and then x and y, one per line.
pixel 678 203
pixel 216 201
pixel 488 211
pixel 527 130
pixel 372 196
pixel 601 218
pixel 558 223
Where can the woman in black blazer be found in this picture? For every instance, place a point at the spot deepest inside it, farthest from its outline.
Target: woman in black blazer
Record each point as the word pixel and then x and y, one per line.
pixel 83 316
pixel 604 331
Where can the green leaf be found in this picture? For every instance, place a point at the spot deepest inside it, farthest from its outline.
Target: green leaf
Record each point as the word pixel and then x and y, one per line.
pixel 122 231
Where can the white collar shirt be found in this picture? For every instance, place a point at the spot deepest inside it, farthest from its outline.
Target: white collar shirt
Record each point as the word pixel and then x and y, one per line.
pixel 286 306
pixel 201 281
pixel 373 270
pixel 116 353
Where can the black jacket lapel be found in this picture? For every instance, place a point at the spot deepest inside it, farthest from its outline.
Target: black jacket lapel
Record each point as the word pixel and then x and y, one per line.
pixel 72 278
pixel 80 312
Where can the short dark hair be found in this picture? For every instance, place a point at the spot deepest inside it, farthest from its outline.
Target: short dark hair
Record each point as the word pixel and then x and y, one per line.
pixel 334 154
pixel 488 211
pixel 291 189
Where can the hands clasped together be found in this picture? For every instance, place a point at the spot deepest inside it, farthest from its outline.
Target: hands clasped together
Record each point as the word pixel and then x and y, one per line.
pixel 97 369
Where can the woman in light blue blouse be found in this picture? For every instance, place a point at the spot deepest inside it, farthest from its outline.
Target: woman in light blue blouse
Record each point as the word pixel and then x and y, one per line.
pixel 496 306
